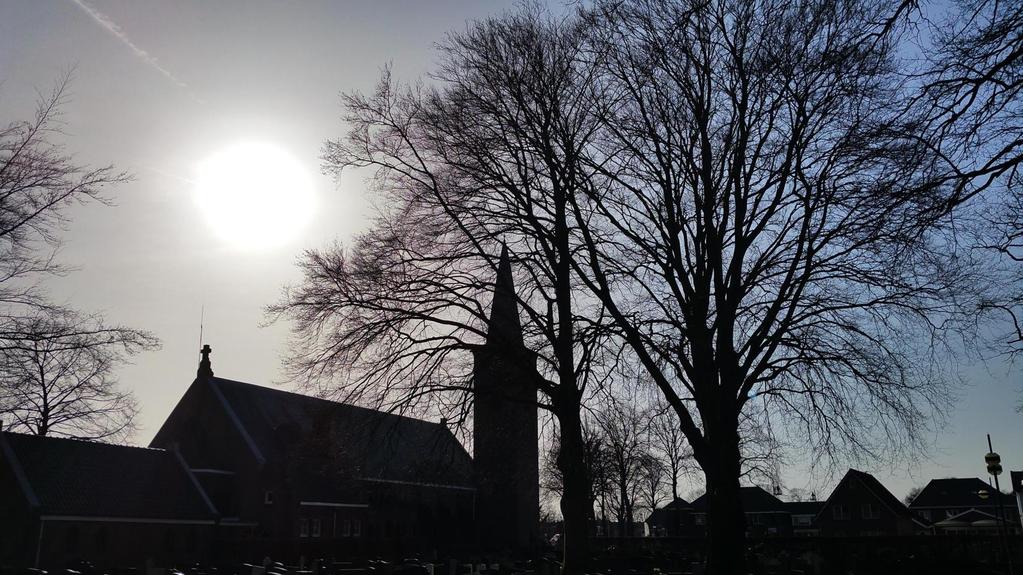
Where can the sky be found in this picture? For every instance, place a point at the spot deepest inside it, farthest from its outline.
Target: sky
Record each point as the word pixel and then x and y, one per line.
pixel 165 90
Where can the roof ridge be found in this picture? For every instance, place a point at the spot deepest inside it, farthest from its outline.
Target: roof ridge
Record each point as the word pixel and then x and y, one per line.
pixel 325 400
pixel 81 440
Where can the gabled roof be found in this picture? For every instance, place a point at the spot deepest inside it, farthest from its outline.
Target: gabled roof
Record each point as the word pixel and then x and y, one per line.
pixel 966 518
pixel 70 477
pixel 327 440
pixel 957 492
pixel 754 500
pixel 661 513
pixel 677 503
pixel 804 507
pixel 875 487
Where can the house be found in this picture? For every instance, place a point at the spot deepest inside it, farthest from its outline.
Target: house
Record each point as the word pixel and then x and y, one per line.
pixel 861 506
pixel 964 505
pixel 672 520
pixel 766 515
pixel 66 499
pixel 804 514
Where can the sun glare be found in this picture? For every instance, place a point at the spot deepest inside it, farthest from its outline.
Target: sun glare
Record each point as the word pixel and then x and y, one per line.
pixel 254 194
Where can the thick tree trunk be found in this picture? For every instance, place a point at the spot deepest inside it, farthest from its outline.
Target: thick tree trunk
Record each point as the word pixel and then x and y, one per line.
pixel 575 499
pixel 726 523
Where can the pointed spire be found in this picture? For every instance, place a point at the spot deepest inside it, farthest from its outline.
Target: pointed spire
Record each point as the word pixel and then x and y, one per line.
pixel 504 327
pixel 205 370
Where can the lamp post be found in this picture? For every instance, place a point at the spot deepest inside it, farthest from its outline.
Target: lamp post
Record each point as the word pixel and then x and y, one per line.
pixel 994 468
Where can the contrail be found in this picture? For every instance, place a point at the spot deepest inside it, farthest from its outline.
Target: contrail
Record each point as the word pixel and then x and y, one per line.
pixel 114 29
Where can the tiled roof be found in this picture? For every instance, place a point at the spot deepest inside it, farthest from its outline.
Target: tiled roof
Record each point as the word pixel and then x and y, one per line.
pixel 71 477
pixel 754 500
pixel 326 439
pixel 957 492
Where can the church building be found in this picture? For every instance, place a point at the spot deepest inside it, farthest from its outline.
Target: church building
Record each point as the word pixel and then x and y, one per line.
pixel 288 475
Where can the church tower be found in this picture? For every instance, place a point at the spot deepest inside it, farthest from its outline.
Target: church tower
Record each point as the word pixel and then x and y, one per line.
pixel 506 454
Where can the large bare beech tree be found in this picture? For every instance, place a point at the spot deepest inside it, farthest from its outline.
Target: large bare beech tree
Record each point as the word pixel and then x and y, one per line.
pixel 755 228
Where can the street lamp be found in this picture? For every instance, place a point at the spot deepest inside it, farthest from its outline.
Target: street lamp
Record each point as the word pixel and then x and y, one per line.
pixel 994 468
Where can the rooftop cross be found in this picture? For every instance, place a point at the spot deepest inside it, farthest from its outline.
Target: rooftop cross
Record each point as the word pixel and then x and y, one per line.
pixel 205 370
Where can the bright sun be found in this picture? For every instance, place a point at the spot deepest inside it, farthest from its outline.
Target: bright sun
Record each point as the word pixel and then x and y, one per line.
pixel 254 194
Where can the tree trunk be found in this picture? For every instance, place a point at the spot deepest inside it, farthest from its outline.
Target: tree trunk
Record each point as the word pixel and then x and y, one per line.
pixel 574 499
pixel 726 523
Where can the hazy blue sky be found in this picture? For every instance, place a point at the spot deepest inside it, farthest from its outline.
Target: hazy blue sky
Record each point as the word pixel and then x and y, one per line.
pixel 161 86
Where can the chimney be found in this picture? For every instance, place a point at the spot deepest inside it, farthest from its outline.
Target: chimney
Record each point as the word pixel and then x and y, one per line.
pixel 205 370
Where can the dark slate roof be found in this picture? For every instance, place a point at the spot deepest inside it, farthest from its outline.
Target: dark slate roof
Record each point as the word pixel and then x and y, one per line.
pixel 754 500
pixel 87 478
pixel 804 507
pixel 322 442
pixel 957 492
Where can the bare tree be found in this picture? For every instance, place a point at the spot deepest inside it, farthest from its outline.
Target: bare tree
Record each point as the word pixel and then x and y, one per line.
pixel 971 103
pixel 38 182
pixel 652 478
pixel 735 190
pixel 55 364
pixel 596 463
pixel 59 380
pixel 911 495
pixel 756 225
pixel 484 158
pixel 623 427
pixel 669 442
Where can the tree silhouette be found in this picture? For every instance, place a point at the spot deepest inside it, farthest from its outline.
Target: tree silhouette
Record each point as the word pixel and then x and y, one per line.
pixel 55 364
pixel 478 162
pixel 58 380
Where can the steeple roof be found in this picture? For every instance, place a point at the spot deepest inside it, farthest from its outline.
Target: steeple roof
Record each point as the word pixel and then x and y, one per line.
pixel 504 327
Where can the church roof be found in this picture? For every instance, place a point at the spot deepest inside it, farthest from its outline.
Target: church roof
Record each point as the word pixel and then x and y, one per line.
pixel 70 477
pixel 321 441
